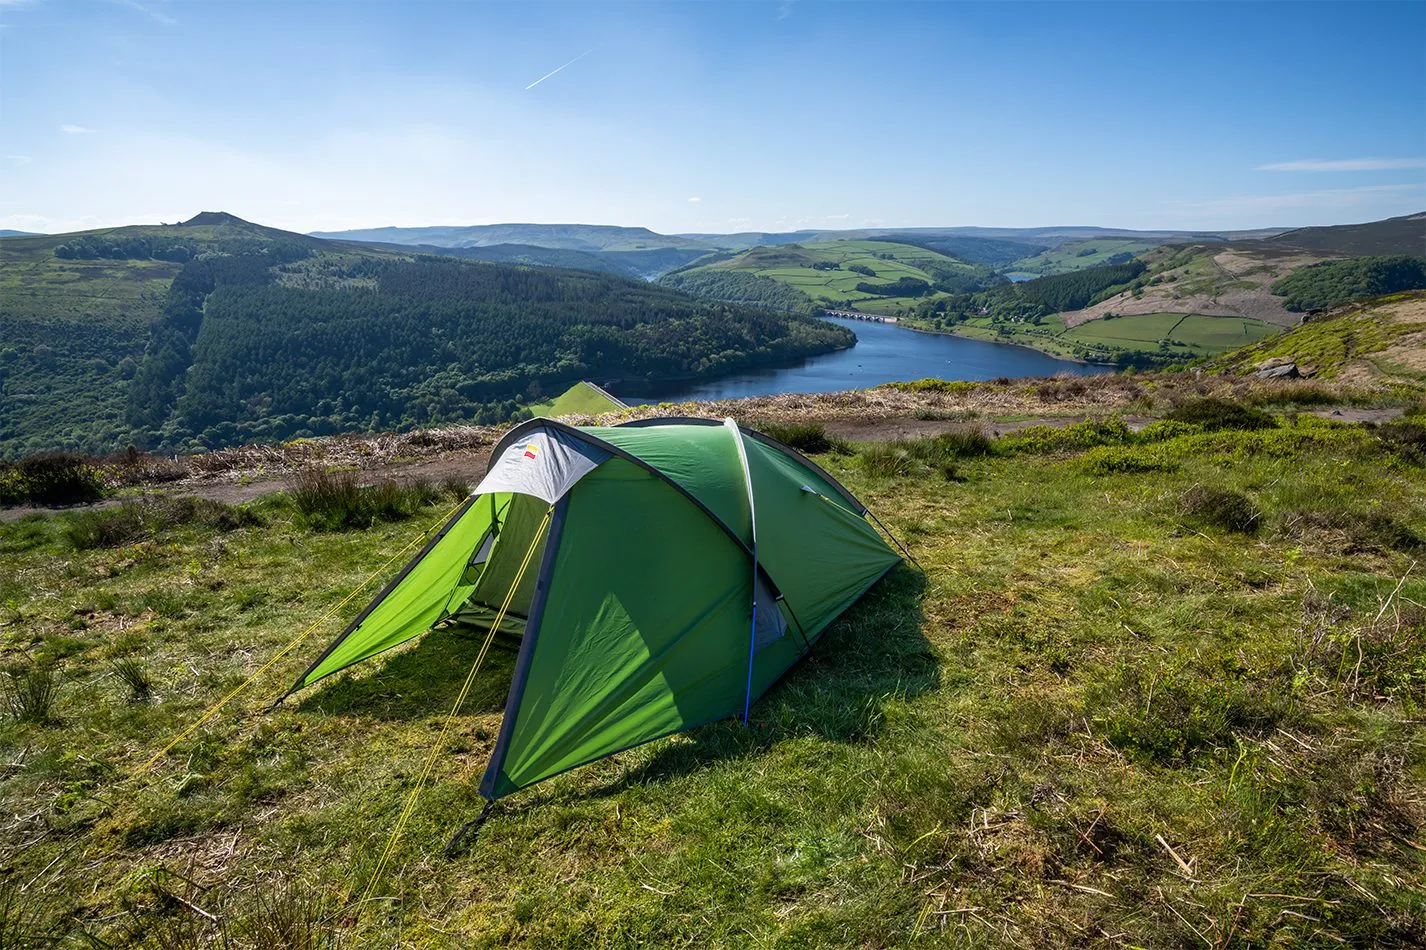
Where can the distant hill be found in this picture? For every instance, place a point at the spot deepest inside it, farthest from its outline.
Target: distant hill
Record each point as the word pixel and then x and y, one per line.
pixel 644 253
pixel 218 331
pixel 568 237
pixel 1403 235
pixel 645 265
pixel 6 232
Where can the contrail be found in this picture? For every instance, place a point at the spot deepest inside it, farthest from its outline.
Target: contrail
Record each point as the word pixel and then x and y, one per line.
pixel 553 71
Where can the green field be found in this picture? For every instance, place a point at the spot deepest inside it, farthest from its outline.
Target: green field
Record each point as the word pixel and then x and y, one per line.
pixel 1077 255
pixel 1193 334
pixel 581 399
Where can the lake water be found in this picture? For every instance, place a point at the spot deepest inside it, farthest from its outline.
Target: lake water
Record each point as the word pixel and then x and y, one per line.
pixel 884 353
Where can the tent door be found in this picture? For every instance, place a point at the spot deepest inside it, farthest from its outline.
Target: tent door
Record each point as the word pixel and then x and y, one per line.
pixel 494 565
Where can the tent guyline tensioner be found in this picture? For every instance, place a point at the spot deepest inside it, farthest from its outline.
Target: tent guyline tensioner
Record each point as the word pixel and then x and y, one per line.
pixel 666 557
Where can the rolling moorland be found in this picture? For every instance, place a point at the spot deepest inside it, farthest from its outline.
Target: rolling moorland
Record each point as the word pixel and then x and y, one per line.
pixel 218 331
pixel 1123 298
pixel 1157 682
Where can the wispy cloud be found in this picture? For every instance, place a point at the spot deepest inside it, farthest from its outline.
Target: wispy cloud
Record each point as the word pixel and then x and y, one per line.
pixel 147 10
pixel 784 9
pixel 75 130
pixel 553 71
pixel 694 200
pixel 1326 198
pixel 17 159
pixel 1344 165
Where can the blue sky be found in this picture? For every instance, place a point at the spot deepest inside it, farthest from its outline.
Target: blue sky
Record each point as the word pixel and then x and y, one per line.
pixel 711 116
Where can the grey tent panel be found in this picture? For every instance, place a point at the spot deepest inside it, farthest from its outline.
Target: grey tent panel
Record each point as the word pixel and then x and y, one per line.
pixel 544 462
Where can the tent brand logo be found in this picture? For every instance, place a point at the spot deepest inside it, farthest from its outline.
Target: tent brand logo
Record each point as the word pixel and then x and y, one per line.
pixel 531 450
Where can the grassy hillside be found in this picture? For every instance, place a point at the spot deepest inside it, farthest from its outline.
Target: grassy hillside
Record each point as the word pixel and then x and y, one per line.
pixel 219 331
pixel 1079 254
pixel 824 273
pixel 581 399
pixel 1381 342
pixel 1159 689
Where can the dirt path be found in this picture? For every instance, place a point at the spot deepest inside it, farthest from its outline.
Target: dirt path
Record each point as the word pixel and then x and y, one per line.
pixel 468 464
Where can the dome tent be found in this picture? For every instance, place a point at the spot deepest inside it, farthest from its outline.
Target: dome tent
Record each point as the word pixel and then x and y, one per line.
pixel 660 574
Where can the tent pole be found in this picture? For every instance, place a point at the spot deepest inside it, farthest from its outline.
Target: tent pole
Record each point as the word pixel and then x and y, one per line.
pixel 753 522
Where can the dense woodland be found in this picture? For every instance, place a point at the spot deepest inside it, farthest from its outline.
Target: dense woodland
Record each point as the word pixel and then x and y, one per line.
pixel 421 342
pixel 739 286
pixel 903 287
pixel 1033 300
pixel 1333 282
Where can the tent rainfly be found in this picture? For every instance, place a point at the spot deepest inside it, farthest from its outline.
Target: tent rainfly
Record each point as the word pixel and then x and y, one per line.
pixel 660 574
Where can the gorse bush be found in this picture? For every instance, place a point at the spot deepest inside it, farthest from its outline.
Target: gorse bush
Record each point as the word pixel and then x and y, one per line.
pixel 1221 508
pixel 56 478
pixel 1213 413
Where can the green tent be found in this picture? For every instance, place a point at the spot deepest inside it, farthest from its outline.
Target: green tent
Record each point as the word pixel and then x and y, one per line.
pixel 660 574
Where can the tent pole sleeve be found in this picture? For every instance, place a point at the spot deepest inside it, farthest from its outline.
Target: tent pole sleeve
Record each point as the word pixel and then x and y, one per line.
pixel 376 601
pixel 527 650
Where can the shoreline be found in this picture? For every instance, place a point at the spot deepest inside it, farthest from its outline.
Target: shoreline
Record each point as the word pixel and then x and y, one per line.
pixel 966 336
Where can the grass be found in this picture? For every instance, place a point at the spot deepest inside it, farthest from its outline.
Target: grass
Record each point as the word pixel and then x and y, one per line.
pixel 1096 720
pixel 580 399
pixel 29 694
pixel 1182 335
pixel 336 501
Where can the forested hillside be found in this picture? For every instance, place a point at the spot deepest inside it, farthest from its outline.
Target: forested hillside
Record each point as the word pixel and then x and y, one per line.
pixel 441 341
pixel 1334 282
pixel 217 331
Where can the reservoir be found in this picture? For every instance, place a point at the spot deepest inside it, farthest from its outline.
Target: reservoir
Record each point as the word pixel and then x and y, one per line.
pixel 884 353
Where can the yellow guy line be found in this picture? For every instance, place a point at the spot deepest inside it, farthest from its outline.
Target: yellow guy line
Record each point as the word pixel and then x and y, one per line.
pixel 410 805
pixel 214 709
